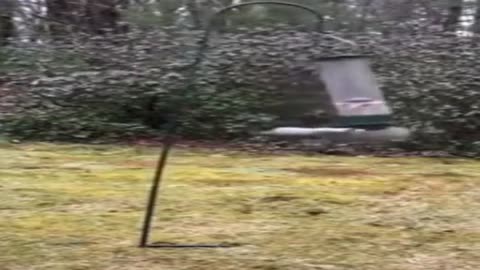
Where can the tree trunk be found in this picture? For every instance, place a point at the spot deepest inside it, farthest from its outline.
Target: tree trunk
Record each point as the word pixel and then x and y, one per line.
pixel 194 11
pixel 201 12
pixel 7 29
pixel 63 16
pixel 455 9
pixel 93 16
pixel 476 24
pixel 102 16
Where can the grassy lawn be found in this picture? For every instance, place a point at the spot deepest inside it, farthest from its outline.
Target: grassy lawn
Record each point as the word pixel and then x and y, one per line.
pixel 80 207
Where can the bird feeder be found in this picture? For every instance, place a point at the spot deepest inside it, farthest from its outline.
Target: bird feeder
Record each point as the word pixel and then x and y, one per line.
pixel 359 110
pixel 353 91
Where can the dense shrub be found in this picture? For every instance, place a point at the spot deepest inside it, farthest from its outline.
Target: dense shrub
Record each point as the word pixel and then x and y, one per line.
pixel 127 86
pixel 434 84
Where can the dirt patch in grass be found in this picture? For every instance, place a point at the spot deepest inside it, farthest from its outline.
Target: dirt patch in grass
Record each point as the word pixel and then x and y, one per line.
pixel 330 171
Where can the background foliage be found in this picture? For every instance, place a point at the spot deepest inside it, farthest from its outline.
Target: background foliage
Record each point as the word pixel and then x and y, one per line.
pixel 119 69
pixel 131 86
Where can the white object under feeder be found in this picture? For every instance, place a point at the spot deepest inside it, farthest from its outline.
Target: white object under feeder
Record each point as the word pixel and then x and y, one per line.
pixel 345 135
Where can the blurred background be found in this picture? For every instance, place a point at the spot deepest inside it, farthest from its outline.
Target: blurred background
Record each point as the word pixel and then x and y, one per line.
pixel 106 70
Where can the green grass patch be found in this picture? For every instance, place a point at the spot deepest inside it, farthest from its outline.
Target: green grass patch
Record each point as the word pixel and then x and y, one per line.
pixel 80 207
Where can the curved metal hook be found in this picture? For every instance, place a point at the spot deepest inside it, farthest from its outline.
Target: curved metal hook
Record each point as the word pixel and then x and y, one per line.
pixel 224 10
pixel 210 25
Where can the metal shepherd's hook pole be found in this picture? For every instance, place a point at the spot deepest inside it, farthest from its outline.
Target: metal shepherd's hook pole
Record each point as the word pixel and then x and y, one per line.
pixel 174 123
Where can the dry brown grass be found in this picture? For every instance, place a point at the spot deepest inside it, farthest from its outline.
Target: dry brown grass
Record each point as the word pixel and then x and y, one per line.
pixel 80 207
